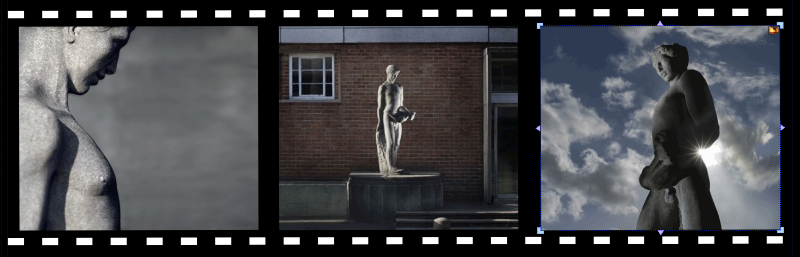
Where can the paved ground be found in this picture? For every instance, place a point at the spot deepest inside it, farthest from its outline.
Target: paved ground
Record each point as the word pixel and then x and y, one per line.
pixel 345 224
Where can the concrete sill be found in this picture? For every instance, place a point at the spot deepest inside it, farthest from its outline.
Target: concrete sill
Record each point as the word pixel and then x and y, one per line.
pixel 309 101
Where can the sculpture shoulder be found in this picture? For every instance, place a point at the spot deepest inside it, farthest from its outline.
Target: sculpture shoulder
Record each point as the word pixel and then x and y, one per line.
pixel 39 131
pixel 692 80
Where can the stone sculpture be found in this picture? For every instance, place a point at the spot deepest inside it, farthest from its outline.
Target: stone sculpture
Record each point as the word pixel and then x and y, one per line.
pixel 684 121
pixel 65 181
pixel 391 115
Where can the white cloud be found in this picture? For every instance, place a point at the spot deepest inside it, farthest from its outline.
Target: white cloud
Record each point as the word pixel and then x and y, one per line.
pixel 612 184
pixel 709 35
pixel 740 85
pixel 567 119
pixel 637 55
pixel 714 35
pixel 613 97
pixel 615 83
pixel 640 125
pixel 631 60
pixel 613 149
pixel 551 206
pixel 559 52
pixel 775 98
pixel 637 36
pixel 624 99
pixel 737 206
pixel 738 141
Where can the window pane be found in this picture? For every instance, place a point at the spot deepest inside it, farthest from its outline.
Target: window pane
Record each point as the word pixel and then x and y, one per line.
pixel 510 85
pixel 496 83
pixel 497 69
pixel 316 89
pixel 329 62
pixel 295 90
pixel 510 69
pixel 329 76
pixel 316 63
pixel 317 77
pixel 295 62
pixel 295 77
pixel 329 89
pixel 305 63
pixel 312 89
pixel 312 77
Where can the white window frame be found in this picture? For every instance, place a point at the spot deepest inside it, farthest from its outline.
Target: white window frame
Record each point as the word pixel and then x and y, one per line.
pixel 324 78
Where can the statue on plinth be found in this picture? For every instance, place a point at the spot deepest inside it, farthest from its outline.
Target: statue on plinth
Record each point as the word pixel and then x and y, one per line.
pixel 391 115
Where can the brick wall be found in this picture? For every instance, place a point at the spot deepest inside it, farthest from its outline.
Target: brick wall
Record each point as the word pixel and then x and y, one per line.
pixel 443 84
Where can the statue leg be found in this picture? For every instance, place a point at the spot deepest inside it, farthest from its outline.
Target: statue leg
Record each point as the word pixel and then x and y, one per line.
pixel 398 132
pixel 383 161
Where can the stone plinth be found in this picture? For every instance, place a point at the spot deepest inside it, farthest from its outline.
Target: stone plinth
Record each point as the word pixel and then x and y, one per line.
pixel 375 198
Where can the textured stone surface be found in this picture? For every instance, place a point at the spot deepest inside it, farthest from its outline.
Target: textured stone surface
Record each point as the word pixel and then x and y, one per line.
pixel 56 155
pixel 391 114
pixel 377 198
pixel 312 199
pixel 684 121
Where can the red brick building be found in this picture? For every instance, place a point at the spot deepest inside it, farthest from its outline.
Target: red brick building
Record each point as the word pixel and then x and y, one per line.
pixel 461 81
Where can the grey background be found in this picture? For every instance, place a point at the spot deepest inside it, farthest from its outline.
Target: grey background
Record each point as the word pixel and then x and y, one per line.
pixel 179 124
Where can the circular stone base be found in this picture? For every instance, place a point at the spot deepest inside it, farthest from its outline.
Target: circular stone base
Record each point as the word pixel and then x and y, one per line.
pixel 375 198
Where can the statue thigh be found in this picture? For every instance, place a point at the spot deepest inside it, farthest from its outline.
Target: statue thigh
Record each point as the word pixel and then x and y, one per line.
pixel 697 208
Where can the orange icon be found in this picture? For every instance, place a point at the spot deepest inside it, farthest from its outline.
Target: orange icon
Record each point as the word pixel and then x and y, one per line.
pixel 774 30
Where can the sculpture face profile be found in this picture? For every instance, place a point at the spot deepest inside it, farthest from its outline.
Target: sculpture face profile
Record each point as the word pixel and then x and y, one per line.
pixel 92 54
pixel 684 121
pixel 65 181
pixel 391 114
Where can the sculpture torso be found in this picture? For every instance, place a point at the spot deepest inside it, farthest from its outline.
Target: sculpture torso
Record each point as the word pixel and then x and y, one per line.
pixel 394 97
pixel 693 207
pixel 83 189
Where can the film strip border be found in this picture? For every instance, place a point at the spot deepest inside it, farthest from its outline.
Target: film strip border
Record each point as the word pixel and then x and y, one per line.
pixel 412 13
pixel 560 240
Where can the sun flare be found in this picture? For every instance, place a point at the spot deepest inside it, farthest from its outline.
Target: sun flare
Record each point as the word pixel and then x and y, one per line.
pixel 709 155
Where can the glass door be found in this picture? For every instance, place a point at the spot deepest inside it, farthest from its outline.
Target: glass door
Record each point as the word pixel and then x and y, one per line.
pixel 506 150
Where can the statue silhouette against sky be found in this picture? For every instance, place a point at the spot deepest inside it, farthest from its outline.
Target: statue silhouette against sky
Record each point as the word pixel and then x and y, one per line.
pixel 684 121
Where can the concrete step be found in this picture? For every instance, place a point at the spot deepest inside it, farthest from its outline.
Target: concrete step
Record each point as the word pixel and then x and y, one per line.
pixel 466 228
pixel 458 214
pixel 403 222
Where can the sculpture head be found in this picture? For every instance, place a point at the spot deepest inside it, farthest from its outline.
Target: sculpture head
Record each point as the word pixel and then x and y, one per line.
pixel 91 53
pixel 391 73
pixel 670 60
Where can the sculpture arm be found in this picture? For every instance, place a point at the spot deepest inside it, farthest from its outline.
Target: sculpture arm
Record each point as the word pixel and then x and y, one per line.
pixel 39 142
pixel 381 104
pixel 662 172
pixel 704 130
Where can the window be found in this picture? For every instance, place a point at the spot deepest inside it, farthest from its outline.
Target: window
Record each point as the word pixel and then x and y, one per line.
pixel 504 73
pixel 311 77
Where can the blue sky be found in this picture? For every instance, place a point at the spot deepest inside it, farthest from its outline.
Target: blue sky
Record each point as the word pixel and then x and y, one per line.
pixel 598 91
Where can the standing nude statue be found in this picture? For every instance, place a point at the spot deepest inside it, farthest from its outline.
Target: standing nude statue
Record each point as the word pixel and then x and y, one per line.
pixel 391 113
pixel 684 121
pixel 65 181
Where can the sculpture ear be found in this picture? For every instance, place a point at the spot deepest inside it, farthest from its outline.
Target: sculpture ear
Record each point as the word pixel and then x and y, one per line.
pixel 70 34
